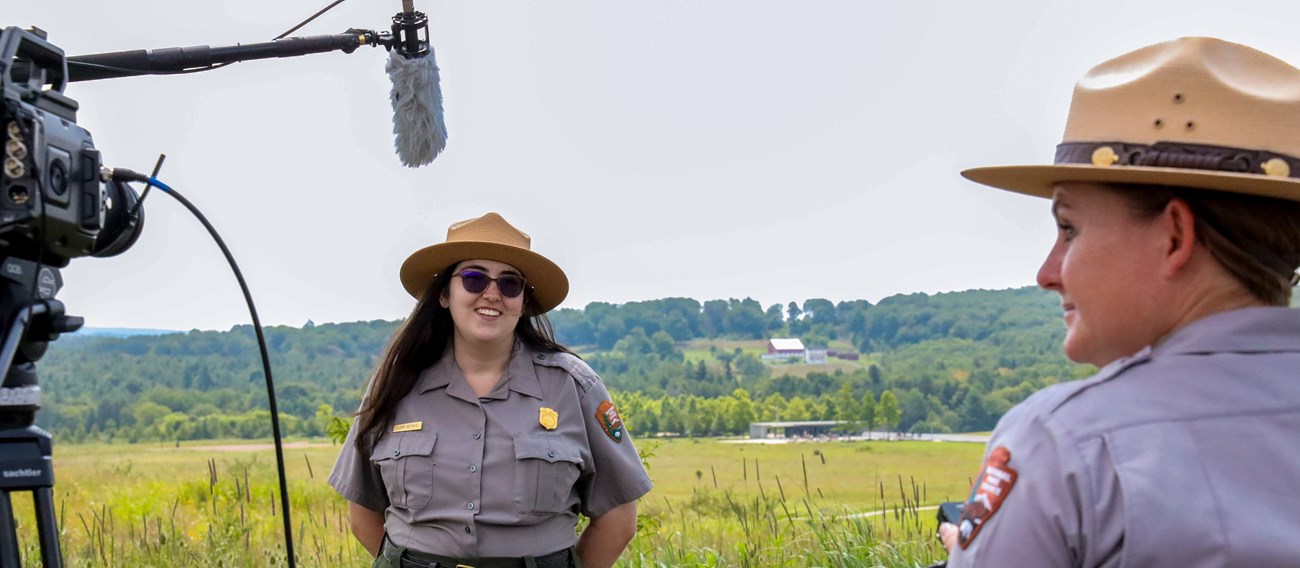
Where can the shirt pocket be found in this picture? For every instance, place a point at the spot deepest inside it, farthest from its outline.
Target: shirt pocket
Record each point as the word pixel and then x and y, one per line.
pixel 405 461
pixel 546 468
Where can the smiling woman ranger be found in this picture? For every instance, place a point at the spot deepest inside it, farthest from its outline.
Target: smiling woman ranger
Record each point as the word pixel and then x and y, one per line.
pixel 480 438
pixel 1176 194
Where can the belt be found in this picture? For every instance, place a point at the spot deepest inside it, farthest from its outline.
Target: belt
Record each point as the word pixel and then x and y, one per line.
pixel 407 558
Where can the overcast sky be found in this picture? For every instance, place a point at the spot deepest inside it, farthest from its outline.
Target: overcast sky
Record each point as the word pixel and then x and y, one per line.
pixel 776 150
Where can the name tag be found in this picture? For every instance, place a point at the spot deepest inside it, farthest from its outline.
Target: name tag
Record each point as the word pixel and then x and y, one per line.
pixel 408 427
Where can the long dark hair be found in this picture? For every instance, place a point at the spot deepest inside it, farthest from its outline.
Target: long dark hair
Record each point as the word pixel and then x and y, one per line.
pixel 419 343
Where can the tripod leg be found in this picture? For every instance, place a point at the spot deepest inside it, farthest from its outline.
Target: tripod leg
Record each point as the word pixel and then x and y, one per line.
pixel 47 527
pixel 8 534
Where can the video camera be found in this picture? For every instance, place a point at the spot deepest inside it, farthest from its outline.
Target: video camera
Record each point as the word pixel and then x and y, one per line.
pixel 55 203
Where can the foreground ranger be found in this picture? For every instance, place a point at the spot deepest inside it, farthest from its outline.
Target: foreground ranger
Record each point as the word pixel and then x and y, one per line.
pixel 1175 192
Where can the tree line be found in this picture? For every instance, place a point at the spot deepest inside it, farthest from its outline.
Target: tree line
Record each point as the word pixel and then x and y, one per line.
pixel 944 362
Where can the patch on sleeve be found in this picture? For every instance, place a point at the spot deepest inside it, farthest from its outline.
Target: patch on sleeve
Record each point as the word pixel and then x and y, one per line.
pixel 991 488
pixel 610 421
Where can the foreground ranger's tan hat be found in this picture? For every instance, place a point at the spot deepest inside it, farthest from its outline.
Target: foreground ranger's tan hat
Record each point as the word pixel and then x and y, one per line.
pixel 1194 112
pixel 488 237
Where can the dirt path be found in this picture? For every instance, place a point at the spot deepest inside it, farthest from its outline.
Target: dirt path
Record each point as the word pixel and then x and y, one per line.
pixel 257 447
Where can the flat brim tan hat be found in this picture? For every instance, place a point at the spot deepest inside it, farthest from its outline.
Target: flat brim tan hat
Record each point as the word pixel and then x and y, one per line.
pixel 488 237
pixel 1194 112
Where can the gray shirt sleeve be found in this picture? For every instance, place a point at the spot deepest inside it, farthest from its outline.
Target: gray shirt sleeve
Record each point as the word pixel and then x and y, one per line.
pixel 356 478
pixel 617 475
pixel 1024 509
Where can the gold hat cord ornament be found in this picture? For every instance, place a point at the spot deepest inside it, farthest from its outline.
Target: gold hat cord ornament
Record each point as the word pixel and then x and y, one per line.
pixel 1177 155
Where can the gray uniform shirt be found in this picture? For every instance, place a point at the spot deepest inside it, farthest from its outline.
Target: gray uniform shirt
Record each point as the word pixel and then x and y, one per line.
pixel 502 475
pixel 1185 454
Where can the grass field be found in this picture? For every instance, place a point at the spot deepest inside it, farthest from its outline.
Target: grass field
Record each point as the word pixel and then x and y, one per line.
pixel 714 504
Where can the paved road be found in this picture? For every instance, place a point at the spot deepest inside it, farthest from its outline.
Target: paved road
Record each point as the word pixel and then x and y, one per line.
pixel 870 513
pixel 968 438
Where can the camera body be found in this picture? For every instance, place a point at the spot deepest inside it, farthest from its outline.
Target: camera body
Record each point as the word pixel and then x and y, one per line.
pixel 950 512
pixel 54 206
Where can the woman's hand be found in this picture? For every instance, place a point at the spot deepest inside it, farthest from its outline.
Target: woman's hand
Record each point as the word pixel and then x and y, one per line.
pixel 606 536
pixel 948 536
pixel 368 527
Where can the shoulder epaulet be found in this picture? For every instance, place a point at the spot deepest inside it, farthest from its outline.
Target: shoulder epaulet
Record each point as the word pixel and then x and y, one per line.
pixel 1103 376
pixel 577 368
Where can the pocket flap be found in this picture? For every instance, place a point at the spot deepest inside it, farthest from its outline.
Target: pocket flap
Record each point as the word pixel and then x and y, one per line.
pixel 404 444
pixel 549 448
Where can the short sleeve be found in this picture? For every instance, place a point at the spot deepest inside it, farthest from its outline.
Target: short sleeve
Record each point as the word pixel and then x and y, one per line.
pixel 356 478
pixel 618 476
pixel 1024 507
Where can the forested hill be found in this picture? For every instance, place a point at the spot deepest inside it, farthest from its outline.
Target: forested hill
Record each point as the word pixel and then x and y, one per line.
pixel 918 362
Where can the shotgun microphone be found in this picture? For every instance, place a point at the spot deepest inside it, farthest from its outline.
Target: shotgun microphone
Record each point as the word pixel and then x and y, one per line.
pixel 419 131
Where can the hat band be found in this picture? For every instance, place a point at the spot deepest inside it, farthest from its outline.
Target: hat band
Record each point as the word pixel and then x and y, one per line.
pixel 1180 156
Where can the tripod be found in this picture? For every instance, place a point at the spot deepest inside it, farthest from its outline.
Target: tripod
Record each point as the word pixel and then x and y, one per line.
pixel 26 450
pixel 26 466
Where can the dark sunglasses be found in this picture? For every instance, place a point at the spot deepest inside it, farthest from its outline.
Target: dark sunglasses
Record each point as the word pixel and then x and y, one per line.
pixel 475 282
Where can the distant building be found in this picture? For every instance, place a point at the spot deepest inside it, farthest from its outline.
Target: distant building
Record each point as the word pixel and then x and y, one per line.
pixel 783 348
pixel 815 356
pixel 764 430
pixel 791 347
pixel 786 348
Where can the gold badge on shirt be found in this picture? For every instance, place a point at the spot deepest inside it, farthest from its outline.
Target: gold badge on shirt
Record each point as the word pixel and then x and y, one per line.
pixel 548 418
pixel 408 427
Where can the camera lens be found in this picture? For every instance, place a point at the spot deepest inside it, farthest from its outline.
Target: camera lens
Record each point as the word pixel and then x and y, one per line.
pixel 123 220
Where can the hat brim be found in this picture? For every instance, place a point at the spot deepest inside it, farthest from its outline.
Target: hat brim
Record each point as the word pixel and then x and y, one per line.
pixel 1039 181
pixel 549 283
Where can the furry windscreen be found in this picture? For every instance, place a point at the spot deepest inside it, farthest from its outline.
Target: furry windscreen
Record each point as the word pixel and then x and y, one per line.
pixel 418 123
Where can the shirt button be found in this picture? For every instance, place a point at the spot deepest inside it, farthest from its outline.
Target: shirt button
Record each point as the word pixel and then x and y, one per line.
pixel 470 506
pixel 466 530
pixel 550 454
pixel 473 468
pixel 397 452
pixel 541 356
pixel 478 435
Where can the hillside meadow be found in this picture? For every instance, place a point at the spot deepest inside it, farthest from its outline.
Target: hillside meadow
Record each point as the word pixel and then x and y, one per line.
pixel 951 362
pixel 715 503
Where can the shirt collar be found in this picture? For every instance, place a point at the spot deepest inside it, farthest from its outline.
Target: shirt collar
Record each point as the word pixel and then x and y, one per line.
pixel 1246 330
pixel 440 374
pixel 521 377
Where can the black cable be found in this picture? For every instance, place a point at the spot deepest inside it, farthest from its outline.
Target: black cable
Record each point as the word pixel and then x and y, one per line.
pixel 308 20
pixel 85 65
pixel 128 175
pixel 148 184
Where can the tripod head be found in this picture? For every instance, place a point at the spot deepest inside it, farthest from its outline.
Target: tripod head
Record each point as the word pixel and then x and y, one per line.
pixel 35 318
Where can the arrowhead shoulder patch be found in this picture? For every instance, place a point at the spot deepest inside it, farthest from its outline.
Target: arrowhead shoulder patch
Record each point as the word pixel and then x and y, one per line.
pixel 609 420
pixel 991 488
